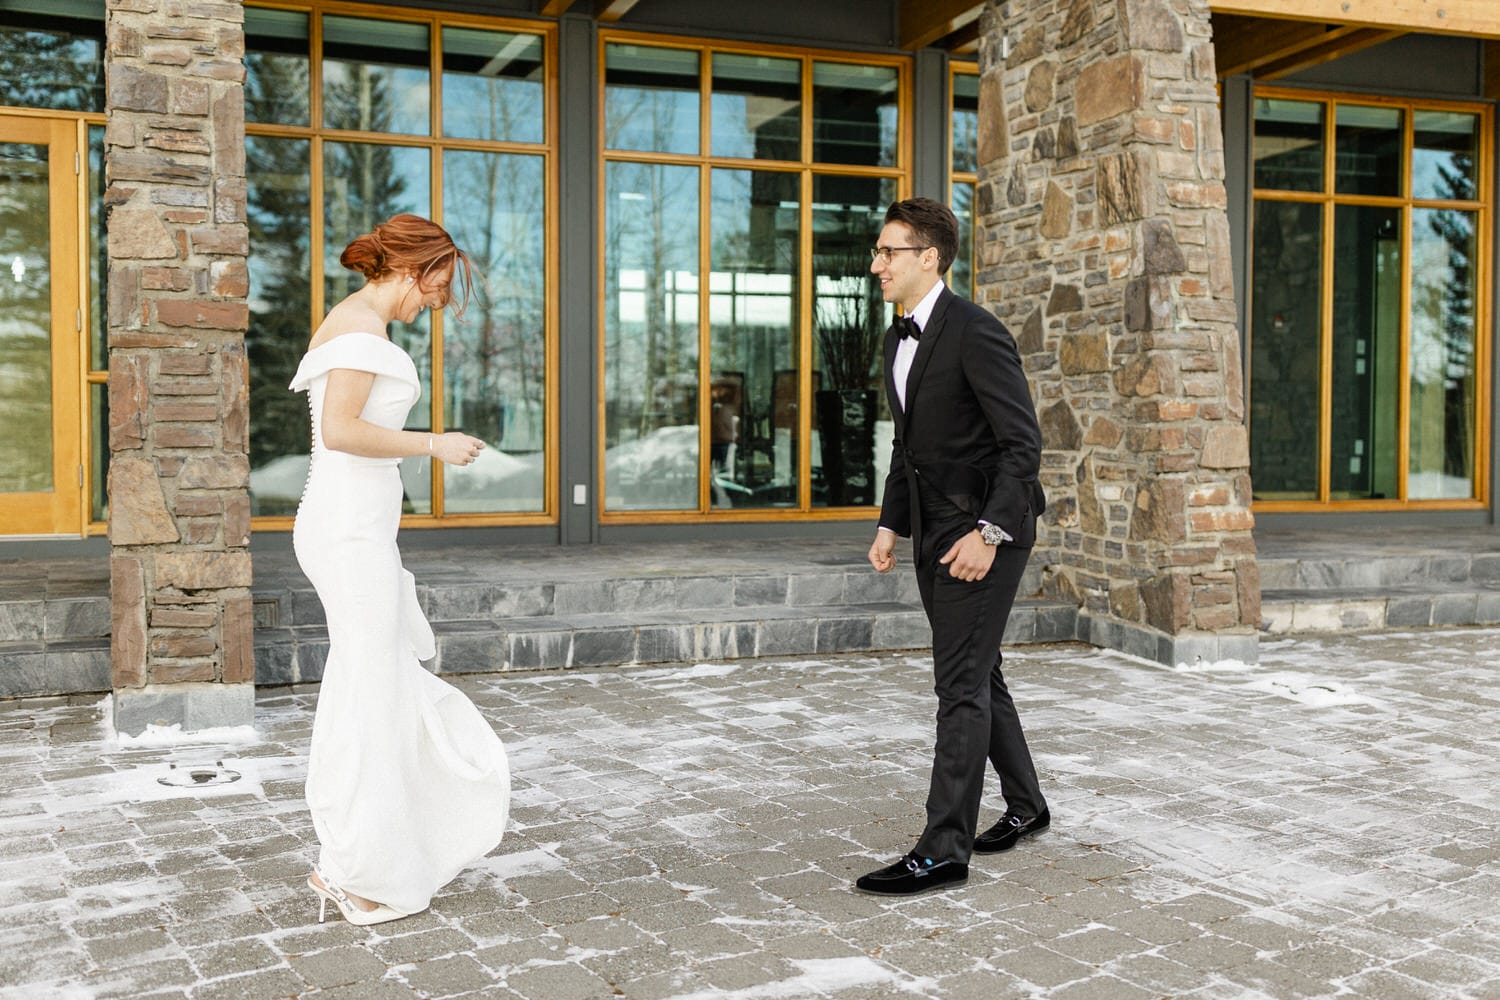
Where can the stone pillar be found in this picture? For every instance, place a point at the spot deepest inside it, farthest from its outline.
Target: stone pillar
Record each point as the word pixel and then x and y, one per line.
pixel 179 508
pixel 1105 248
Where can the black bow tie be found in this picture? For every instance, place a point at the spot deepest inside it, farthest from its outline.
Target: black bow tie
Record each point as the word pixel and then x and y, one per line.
pixel 907 327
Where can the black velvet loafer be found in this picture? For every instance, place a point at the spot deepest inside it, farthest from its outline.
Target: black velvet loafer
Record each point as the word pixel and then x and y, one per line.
pixel 1008 832
pixel 912 876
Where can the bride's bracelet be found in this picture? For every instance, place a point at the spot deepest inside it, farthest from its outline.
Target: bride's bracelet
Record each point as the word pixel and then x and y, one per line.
pixel 429 444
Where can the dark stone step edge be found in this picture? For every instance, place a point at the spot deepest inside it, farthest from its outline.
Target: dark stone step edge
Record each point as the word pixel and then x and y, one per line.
pixel 297 655
pixel 1418 608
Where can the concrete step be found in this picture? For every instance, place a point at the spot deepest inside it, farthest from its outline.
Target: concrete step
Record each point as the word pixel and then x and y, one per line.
pixel 1420 604
pixel 54 639
pixel 1283 571
pixel 1322 585
pixel 291 602
pixel 57 666
pixel 289 655
pixel 41 617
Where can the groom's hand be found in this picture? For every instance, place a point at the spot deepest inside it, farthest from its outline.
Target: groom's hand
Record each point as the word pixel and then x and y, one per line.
pixel 969 558
pixel 883 551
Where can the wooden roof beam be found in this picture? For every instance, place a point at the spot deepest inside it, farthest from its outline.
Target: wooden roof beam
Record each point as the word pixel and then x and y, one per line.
pixel 555 8
pixel 925 21
pixel 1243 43
pixel 610 11
pixel 1267 48
pixel 1442 17
pixel 1359 38
pixel 964 41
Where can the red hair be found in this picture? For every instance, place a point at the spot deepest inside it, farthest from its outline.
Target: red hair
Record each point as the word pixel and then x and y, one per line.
pixel 415 246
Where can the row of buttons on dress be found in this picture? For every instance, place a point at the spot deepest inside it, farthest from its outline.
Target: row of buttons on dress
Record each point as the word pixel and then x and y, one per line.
pixel 312 449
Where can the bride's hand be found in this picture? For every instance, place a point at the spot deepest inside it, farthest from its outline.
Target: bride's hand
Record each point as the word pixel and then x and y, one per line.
pixel 456 448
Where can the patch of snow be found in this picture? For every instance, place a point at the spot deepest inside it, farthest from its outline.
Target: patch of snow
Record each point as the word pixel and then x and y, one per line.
pixel 533 862
pixel 1202 666
pixel 722 669
pixel 821 976
pixel 173 736
pixel 1310 691
pixel 139 782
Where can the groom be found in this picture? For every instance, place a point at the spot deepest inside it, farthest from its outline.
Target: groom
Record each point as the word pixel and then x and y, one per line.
pixel 963 484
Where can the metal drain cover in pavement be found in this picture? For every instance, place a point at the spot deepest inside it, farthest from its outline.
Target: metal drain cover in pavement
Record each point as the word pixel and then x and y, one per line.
pixel 194 775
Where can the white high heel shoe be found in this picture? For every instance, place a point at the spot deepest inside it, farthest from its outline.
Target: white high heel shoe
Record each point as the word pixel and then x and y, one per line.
pixel 330 893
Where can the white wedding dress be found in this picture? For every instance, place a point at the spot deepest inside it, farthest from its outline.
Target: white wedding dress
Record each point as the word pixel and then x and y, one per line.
pixel 406 782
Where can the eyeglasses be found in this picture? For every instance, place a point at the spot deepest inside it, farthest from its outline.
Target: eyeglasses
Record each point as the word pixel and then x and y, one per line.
pixel 884 253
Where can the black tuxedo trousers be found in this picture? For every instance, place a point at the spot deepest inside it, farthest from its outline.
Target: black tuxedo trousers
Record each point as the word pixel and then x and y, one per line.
pixel 976 718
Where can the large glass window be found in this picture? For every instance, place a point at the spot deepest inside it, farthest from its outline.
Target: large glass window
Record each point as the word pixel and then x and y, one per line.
pixel 1368 248
pixel 1367 150
pixel 494 355
pixel 854 113
pixel 1365 355
pixel 651 337
pixel 851 416
pixel 1286 300
pixel 26 374
pixel 375 75
pixel 1289 144
pixel 764 395
pixel 753 312
pixel 52 54
pixel 279 174
pixel 459 135
pixel 277 76
pixel 1444 375
pixel 963 177
pixel 757 107
pixel 651 98
pixel 492 85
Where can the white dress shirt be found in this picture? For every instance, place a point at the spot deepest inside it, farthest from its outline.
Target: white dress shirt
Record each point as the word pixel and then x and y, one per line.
pixel 906 348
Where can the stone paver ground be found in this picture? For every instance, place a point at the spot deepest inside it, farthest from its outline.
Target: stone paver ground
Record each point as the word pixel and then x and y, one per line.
pixel 1324 824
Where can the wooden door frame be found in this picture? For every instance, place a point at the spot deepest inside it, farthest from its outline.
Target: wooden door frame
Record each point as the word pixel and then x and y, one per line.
pixel 62 510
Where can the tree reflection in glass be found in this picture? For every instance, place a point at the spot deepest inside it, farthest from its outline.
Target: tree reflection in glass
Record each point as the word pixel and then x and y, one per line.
pixel 280 197
pixel 494 355
pixel 25 320
pixel 60 66
pixel 1442 361
pixel 492 85
pixel 757 107
pixel 375 75
pixel 650 337
pixel 650 99
pixel 363 185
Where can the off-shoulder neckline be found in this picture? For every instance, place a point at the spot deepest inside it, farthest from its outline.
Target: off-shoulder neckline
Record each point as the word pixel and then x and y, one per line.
pixel 354 333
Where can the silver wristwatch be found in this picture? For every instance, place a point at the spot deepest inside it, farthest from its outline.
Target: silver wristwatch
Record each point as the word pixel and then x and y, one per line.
pixel 992 534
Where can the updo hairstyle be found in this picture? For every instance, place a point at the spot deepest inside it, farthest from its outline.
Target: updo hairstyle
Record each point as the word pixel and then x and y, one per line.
pixel 413 245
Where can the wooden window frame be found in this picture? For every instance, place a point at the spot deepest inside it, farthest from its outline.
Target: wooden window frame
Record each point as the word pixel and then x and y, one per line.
pixel 315 133
pixel 806 168
pixel 1484 299
pixel 957 68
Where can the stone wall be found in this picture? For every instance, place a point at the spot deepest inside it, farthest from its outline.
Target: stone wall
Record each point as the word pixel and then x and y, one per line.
pixel 179 518
pixel 1105 248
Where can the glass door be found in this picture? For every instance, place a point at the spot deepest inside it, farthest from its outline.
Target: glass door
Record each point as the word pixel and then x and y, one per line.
pixel 41 475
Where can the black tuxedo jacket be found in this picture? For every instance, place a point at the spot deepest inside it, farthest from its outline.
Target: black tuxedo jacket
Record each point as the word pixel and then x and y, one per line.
pixel 968 430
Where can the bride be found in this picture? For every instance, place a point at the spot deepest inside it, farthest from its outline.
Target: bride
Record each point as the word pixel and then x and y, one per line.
pixel 406 781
